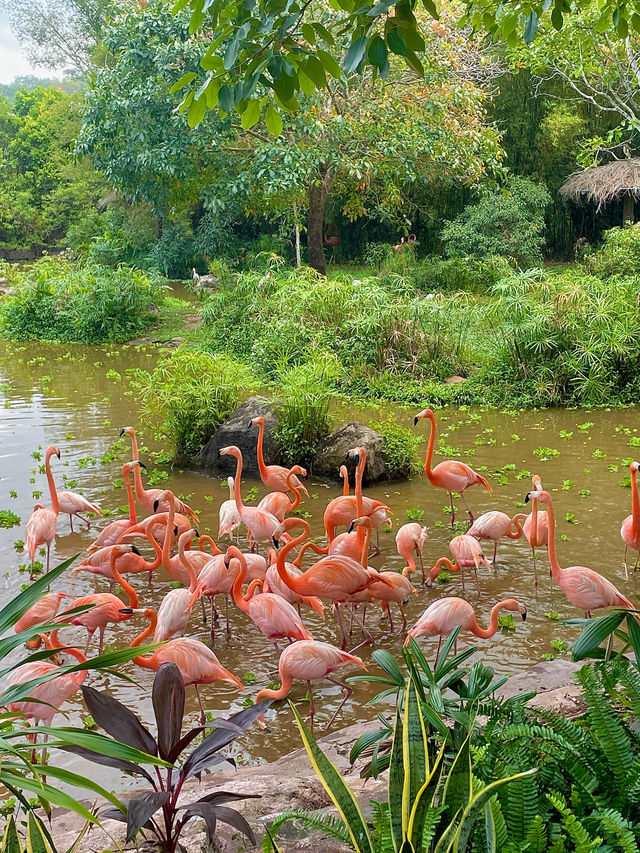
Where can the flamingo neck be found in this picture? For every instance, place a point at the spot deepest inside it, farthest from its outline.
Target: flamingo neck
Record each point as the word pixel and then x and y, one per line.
pixel 137 474
pixel 205 539
pixel 430 446
pixel 518 532
pixel 485 633
pixel 296 491
pixel 150 629
pixel 193 578
pixel 554 565
pixel 362 462
pixel 166 545
pixel 635 502
pixel 236 483
pixel 344 473
pixel 291 580
pixel 262 468
pixel 309 546
pixel 236 589
pixel 366 539
pixel 154 544
pixel 55 506
pixel 255 584
pixel 125 585
pixel 133 515
pixel 443 562
pixel 281 692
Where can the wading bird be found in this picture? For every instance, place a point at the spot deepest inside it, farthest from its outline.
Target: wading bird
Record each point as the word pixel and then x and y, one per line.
pixel 40 613
pixel 273 476
pixel 110 534
pixel 332 241
pixel 451 475
pixel 278 503
pixel 71 503
pixel 536 527
pixel 466 552
pixel 41 525
pixel 311 660
pixel 176 606
pixel 410 540
pixel 129 562
pixel 228 515
pixel 260 524
pixel 446 614
pixel 630 530
pixel 274 583
pixel 494 525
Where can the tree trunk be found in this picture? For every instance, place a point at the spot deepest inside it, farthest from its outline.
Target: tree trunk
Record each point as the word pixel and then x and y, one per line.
pixel 297 226
pixel 627 210
pixel 318 193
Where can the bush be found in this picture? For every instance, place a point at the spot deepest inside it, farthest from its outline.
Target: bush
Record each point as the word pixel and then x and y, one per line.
pixel 508 222
pixel 400 446
pixel 468 274
pixel 619 254
pixel 79 303
pixel 191 393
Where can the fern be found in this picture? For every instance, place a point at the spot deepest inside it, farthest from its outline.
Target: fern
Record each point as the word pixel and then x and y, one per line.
pixel 381 834
pixel 617 830
pixel 582 842
pixel 316 821
pixel 535 840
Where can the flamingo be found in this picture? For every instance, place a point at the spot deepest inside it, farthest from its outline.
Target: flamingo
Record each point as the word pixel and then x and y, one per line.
pixel 40 613
pixel 585 589
pixel 466 551
pixel 228 515
pixel 217 579
pixel 109 535
pixel 278 503
pixel 311 660
pixel 43 521
pixel 451 475
pixel 332 241
pixel 176 606
pixel 446 614
pixel 275 617
pixel 72 503
pixel 129 562
pixel 273 583
pixel 630 530
pixel 147 497
pixel 344 475
pixel 536 527
pixel 410 538
pixel 260 524
pixel 273 476
pixel 493 525
pixel 196 662
pixel 105 607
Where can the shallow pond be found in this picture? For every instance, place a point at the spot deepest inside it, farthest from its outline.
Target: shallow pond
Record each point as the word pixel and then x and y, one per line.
pixel 78 398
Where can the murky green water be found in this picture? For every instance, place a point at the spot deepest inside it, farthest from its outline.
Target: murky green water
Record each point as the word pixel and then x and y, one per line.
pixel 78 398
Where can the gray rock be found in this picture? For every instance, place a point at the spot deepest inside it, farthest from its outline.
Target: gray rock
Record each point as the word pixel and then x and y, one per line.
pixel 236 430
pixel 332 453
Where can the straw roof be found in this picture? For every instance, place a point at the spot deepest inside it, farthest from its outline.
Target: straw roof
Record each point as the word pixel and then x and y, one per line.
pixel 603 184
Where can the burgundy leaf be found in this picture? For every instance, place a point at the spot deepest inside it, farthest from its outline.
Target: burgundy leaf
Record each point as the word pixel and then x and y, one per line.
pixel 236 820
pixel 225 797
pixel 118 721
pixel 190 736
pixel 141 808
pixel 111 813
pixel 108 761
pixel 207 813
pixel 168 706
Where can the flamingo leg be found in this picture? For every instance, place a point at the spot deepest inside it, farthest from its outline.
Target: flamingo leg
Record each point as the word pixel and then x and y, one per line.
pixel 435 665
pixel 404 618
pixel 390 616
pixel 467 506
pixel 71 521
pixel 101 644
pixel 495 551
pixel 343 636
pixel 204 612
pixel 203 718
pixel 347 693
pixel 635 565
pixel 226 614
pixel 453 512
pixel 535 567
pixel 367 633
pixel 421 566
pixel 86 521
pixel 311 705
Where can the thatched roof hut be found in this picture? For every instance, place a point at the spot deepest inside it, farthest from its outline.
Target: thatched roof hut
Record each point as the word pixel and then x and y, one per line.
pixel 616 181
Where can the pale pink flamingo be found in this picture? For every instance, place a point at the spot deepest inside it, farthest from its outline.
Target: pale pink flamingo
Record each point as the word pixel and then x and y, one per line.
pixel 273 476
pixel 217 579
pixel 630 530
pixel 105 607
pixel 536 527
pixel 585 589
pixel 309 661
pixel 445 615
pixel 128 562
pixel 274 583
pixel 260 524
pixel 176 606
pixel 466 551
pixel 110 534
pixel 147 497
pixel 196 662
pixel 40 613
pixel 228 515
pixel 410 540
pixel 71 503
pixel 451 475
pixel 278 503
pixel 494 525
pixel 275 617
pixel 41 525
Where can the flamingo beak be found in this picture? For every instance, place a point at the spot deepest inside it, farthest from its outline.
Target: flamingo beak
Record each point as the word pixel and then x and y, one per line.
pixel 134 550
pixel 141 464
pixel 523 613
pixel 195 533
pixel 527 497
pixel 121 433
pixel 155 506
pixel 276 543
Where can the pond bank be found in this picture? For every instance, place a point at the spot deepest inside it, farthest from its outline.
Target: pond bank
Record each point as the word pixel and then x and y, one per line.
pixel 290 782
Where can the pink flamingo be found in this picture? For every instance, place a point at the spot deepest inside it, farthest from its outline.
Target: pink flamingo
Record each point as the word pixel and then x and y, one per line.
pixel 275 617
pixel 398 591
pixel 585 589
pixel 71 503
pixel 410 539
pixel 273 476
pixel 273 583
pixel 176 606
pixel 259 523
pixel 278 503
pixel 630 530
pixel 446 614
pixel 344 474
pixel 217 579
pixel 110 534
pixel 196 662
pixel 451 475
pixel 494 525
pixel 310 661
pixel 105 607
pixel 228 515
pixel 43 521
pixel 40 613
pixel 466 551
pixel 536 527
pixel 129 562
pixel 147 497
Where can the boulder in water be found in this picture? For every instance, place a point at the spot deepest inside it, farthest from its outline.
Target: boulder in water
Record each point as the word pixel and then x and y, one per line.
pixel 236 430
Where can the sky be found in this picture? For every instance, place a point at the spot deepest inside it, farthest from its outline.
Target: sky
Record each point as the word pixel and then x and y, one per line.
pixel 13 61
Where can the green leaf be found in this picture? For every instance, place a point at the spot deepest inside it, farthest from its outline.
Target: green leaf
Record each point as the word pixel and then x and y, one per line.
pixel 431 8
pixel 377 51
pixel 49 793
pixel 396 784
pixel 396 43
pixel 96 742
pixel 196 111
pixel 329 64
pixel 595 633
pixel 388 663
pixel 335 786
pixel 308 33
pixel 226 98
pixel 634 635
pixel 415 755
pixel 315 71
pixel 37 841
pixel 273 121
pixel 414 63
pixel 531 27
pixel 77 781
pixel 251 115
pixel 355 54
pixel 10 839
pixel 424 800
pixel 187 78
pixel 556 18
pixel 458 789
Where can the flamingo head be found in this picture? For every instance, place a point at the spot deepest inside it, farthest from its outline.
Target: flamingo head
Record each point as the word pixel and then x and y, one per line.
pixel 635 466
pixel 129 466
pixel 136 611
pixel 231 450
pixel 425 413
pixel 357 453
pixel 363 521
pixel 126 431
pixel 532 496
pixel 167 495
pixel 512 604
pixel 259 421
pixel 298 470
pixel 277 533
pixel 52 451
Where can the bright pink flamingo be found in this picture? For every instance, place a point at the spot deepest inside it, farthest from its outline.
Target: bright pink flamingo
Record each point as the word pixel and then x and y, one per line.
pixel 397 589
pixel 451 475
pixel 446 614
pixel 494 525
pixel 129 562
pixel 311 660
pixel 259 523
pixel 40 613
pixel 228 515
pixel 344 475
pixel 42 523
pixel 275 617
pixel 176 606
pixel 274 583
pixel 585 589
pixel 110 534
pixel 630 530
pixel 410 539
pixel 217 579
pixel 273 476
pixel 196 662
pixel 466 551
pixel 278 503
pixel 147 497
pixel 105 607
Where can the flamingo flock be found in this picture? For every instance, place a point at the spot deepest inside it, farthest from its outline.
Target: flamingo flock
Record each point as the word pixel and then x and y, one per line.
pixel 276 569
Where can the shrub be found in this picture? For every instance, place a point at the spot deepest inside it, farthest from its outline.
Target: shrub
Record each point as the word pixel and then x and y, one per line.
pixel 190 394
pixel 399 448
pixel 84 303
pixel 619 254
pixel 469 274
pixel 508 222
